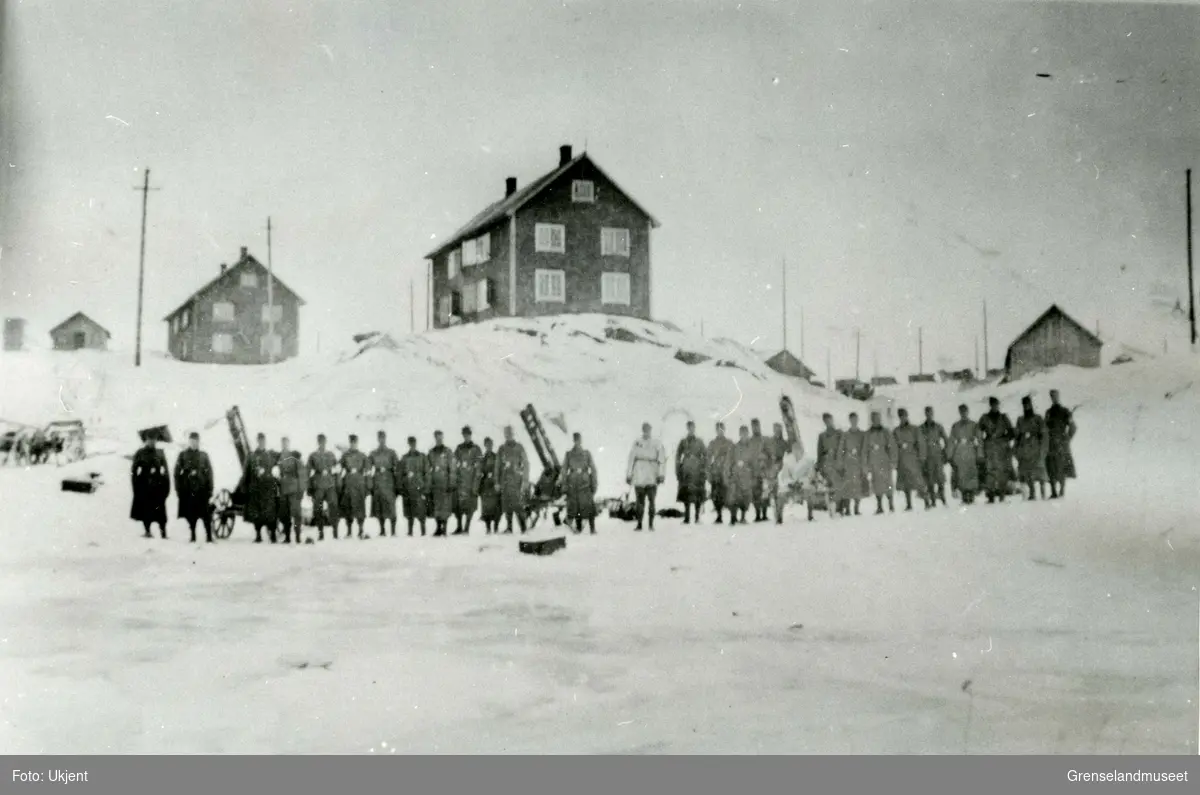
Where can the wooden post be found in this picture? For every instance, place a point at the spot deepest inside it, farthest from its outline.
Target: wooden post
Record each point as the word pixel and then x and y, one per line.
pixel 145 189
pixel 270 299
pixel 1191 277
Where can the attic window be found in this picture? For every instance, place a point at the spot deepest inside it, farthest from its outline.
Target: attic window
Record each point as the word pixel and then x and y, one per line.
pixel 583 190
pixel 477 251
pixel 249 280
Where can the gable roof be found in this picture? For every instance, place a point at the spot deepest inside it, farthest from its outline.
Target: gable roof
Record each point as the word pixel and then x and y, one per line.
pixel 81 316
pixel 246 262
pixel 1051 312
pixel 509 205
pixel 787 363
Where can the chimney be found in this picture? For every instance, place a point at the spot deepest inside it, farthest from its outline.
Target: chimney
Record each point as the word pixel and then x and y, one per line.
pixel 510 186
pixel 223 267
pixel 564 154
pixel 244 252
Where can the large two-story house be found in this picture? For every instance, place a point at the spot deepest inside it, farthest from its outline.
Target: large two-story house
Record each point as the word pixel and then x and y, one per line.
pixel 571 241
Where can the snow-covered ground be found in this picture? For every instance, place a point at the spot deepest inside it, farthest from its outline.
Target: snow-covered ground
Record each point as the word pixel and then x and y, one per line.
pixel 1059 627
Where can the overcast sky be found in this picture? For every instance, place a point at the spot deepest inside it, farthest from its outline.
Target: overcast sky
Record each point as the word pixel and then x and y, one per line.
pixel 904 158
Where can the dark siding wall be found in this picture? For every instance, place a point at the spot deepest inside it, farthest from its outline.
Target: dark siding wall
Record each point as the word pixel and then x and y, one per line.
pixel 94 339
pixel 495 269
pixel 582 261
pixel 1054 341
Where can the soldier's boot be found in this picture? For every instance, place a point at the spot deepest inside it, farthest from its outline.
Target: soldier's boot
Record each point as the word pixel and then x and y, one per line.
pixel 908 501
pixel 592 526
pixel 1042 488
pixel 192 527
pixel 891 504
pixel 521 522
pixel 362 531
pixel 718 519
pixel 162 531
pixel 878 505
pixel 258 534
pixel 687 513
pixel 1054 491
pixel 382 528
pixel 579 525
pixel 422 527
pixel 208 535
pixel 148 534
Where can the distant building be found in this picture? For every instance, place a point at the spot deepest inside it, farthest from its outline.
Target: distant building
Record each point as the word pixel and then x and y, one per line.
pixel 227 322
pixel 1053 339
pixel 79 332
pixel 14 333
pixel 883 380
pixel 922 378
pixel 786 363
pixel 571 241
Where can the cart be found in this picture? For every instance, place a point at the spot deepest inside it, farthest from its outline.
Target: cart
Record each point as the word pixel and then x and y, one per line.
pixel 228 505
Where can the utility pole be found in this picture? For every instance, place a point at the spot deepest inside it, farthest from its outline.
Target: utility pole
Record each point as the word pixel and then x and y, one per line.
pixel 985 341
pixel 977 356
pixel 145 189
pixel 270 299
pixel 857 351
pixel 1191 277
pixel 920 352
pixel 783 281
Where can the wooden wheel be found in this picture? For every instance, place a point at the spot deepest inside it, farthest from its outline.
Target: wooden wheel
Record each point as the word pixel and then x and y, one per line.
pixel 224 516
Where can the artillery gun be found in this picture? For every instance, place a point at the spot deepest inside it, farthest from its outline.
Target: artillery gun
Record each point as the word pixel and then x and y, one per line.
pixel 546 497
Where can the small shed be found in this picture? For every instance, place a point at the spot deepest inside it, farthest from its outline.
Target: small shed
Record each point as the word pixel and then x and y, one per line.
pixel 1054 338
pixel 787 363
pixel 883 380
pixel 79 332
pixel 921 378
pixel 14 333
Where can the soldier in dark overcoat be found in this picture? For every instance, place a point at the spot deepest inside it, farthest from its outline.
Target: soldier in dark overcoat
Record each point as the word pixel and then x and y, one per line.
pixel 262 491
pixel 468 463
pixel 354 488
pixel 323 472
pixel 1060 430
pixel 194 487
pixel 964 453
pixel 512 479
pixel 933 467
pixel 384 467
pixel 759 457
pixel 880 461
pixel 691 472
pixel 720 449
pixel 910 457
pixel 828 466
pixel 578 481
pixel 1032 443
pixel 996 431
pixel 852 456
pixel 489 494
pixel 293 482
pixel 151 480
pixel 414 485
pixel 441 483
pixel 739 475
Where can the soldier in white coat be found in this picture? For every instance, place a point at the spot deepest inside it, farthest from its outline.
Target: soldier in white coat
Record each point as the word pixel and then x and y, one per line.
pixel 646 471
pixel 793 472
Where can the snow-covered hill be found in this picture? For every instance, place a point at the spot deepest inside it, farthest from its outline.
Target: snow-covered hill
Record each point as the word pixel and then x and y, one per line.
pixel 598 375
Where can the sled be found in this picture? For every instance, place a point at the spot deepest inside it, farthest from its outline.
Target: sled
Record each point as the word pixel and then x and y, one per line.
pixel 543 547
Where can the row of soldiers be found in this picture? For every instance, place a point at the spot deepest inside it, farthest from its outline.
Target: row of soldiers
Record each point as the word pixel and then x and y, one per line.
pixel 855 463
pixel 439 484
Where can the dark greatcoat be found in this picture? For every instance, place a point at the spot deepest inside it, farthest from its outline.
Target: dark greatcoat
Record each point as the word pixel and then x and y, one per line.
pixel 293 482
pixel 323 486
pixel 720 451
pixel 414 484
pixel 1031 448
pixel 757 458
pixel 441 481
pixel 489 494
pixel 578 483
pixel 262 489
pixel 385 472
pixel 852 456
pixel 933 467
pixel 964 454
pixel 828 465
pixel 691 465
pixel 151 478
pixel 512 476
pixel 996 430
pixel 880 460
pixel 468 464
pixel 739 477
pixel 354 485
pixel 1060 428
pixel 910 457
pixel 194 485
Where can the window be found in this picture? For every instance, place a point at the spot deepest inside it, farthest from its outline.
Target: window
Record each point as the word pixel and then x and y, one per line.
pixel 223 312
pixel 583 190
pixel 274 315
pixel 477 250
pixel 550 237
pixel 453 263
pixel 468 300
pixel 175 325
pixel 549 285
pixel 249 280
pixel 614 288
pixel 483 295
pixel 271 345
pixel 444 309
pixel 222 343
pixel 185 319
pixel 614 242
pixel 456 304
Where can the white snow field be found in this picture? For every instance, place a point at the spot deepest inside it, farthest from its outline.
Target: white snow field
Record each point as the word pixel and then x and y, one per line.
pixel 1064 626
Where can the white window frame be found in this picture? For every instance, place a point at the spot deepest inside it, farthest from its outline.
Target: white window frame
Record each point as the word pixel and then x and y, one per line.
pixel 248 279
pixel 583 190
pixel 263 345
pixel 615 288
pixel 453 264
pixel 544 238
pixel 614 242
pixel 544 281
pixel 276 310
pixel 217 315
pixel 222 337
pixel 483 298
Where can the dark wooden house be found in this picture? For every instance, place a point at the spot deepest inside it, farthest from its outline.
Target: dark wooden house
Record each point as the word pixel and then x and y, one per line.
pixel 571 241
pixel 227 321
pixel 786 363
pixel 79 332
pixel 1053 339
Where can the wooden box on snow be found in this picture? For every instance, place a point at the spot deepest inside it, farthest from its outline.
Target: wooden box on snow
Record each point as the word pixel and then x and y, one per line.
pixel 545 546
